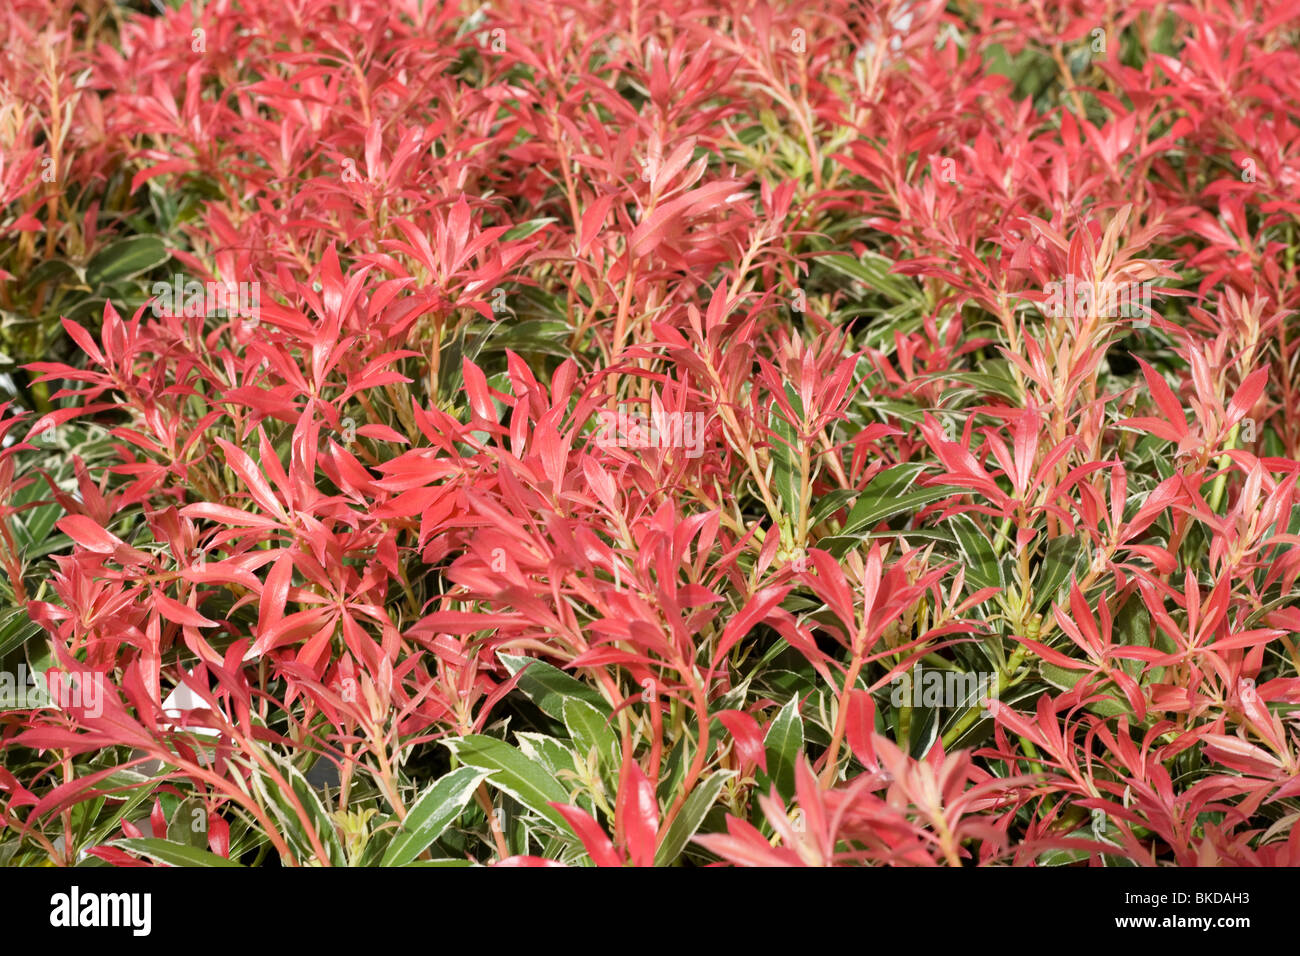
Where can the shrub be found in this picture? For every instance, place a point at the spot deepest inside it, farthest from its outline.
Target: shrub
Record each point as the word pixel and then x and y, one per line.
pixel 649 434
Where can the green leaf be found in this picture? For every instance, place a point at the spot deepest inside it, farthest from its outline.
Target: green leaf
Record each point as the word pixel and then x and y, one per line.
pixel 546 336
pixel 785 458
pixel 55 270
pixel 1133 629
pixel 983 570
pixel 783 744
pixel 325 829
pixel 922 730
pixel 182 830
pixel 125 259
pixel 985 382
pixel 173 854
pixel 886 496
pixel 452 863
pixel 549 687
pixel 549 752
pixel 292 826
pixel 1111 705
pixel 873 272
pixel 526 229
pixel 1061 857
pixel 432 812
pixel 830 503
pixel 35 533
pixel 886 330
pixel 512 773
pixel 673 771
pixel 39 653
pixel 1059 561
pixel 87 310
pixel 1063 677
pixel 17 628
pixel 591 731
pixel 687 822
pixel 142 792
pixel 879 499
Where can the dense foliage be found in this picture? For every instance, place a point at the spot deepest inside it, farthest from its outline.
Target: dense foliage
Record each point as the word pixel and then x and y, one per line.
pixel 649 433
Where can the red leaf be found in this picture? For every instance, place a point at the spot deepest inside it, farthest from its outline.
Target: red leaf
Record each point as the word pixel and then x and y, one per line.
pixel 476 387
pixel 592 220
pixel 179 613
pixel 270 609
pixel 860 725
pixel 1165 399
pixel 638 813
pixel 218 835
pixel 258 487
pixel 88 534
pixel 754 611
pixel 1246 396
pixel 748 736
pixel 594 839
